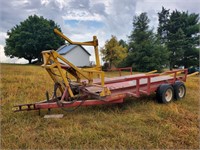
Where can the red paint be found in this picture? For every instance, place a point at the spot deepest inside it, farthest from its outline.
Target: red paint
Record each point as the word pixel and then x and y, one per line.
pixel 120 88
pixel 120 69
pixel 76 103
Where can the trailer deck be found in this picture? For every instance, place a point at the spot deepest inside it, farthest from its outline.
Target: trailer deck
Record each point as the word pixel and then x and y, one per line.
pixel 120 87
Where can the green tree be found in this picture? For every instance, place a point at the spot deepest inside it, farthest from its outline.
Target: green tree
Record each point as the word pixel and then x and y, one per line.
pixel 145 51
pixel 182 36
pixel 123 43
pixel 176 47
pixel 30 37
pixel 113 53
pixel 163 18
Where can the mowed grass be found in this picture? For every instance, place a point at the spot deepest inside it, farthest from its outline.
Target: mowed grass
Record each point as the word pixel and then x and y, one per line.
pixel 137 123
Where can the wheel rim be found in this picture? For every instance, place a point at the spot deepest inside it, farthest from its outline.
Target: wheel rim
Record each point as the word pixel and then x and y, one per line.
pixel 168 95
pixel 181 91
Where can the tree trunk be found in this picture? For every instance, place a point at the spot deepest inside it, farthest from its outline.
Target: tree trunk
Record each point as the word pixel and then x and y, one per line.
pixel 170 68
pixel 29 60
pixel 185 64
pixel 170 65
pixel 39 58
pixel 110 65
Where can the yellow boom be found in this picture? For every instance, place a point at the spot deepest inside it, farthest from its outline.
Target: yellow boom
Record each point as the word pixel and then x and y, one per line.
pixel 58 72
pixel 88 43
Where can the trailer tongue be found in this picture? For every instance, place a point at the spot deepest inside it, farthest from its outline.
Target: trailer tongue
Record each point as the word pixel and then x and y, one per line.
pixel 85 90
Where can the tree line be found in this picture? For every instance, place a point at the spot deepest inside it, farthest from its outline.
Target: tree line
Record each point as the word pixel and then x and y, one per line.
pixel 174 44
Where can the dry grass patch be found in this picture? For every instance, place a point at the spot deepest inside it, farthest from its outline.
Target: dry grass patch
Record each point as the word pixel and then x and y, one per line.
pixel 137 123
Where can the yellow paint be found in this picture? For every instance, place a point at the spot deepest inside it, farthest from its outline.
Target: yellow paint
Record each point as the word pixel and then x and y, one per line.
pixel 152 72
pixel 177 73
pixel 88 43
pixel 193 74
pixel 62 74
pixel 51 62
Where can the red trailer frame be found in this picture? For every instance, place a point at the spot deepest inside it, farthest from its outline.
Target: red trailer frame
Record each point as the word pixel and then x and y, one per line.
pixel 120 87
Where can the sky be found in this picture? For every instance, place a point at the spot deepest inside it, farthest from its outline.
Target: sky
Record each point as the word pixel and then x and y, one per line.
pixel 81 19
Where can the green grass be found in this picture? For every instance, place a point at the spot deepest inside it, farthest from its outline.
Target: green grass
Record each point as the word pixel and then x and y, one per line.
pixel 137 123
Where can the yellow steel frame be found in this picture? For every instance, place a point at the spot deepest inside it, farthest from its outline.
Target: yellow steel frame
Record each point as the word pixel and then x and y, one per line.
pixel 88 43
pixel 51 62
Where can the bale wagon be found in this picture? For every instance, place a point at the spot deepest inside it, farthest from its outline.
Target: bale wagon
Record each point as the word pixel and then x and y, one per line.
pixel 87 90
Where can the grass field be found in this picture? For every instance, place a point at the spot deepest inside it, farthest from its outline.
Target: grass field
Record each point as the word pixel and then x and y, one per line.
pixel 136 124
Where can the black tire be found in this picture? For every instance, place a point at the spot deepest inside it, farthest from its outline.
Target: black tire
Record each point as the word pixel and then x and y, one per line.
pixel 165 93
pixel 179 90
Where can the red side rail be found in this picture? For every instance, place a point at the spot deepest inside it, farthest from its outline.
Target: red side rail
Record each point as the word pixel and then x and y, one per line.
pixel 120 85
pixel 135 88
pixel 120 69
pixel 175 74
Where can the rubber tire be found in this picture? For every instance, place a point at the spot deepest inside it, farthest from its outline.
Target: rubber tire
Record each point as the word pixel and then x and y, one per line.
pixel 176 87
pixel 161 91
